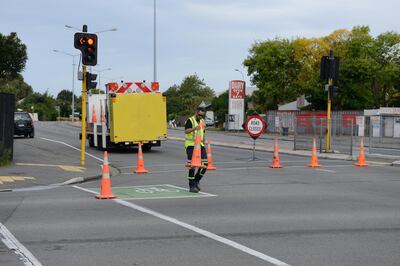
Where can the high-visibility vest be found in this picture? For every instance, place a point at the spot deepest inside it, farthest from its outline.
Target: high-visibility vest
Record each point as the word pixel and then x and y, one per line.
pixel 190 137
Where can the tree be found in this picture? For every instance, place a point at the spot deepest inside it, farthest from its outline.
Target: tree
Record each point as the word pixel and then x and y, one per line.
pixel 183 99
pixel 16 86
pixel 43 104
pixel 369 74
pixel 220 106
pixel 13 56
pixel 64 100
pixel 273 70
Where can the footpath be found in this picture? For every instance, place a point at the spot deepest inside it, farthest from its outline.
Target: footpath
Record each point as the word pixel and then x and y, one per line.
pixel 266 143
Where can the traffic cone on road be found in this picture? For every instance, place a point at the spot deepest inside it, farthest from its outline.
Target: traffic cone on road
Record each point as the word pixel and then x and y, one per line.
pixel 196 156
pixel 209 157
pixel 361 157
pixel 314 158
pixel 140 162
pixel 105 190
pixel 94 118
pixel 275 160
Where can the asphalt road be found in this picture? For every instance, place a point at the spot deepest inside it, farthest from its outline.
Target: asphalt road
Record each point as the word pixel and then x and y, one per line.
pixel 251 215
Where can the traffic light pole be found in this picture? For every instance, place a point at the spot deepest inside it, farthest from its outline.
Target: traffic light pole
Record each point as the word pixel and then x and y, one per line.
pixel 328 121
pixel 83 139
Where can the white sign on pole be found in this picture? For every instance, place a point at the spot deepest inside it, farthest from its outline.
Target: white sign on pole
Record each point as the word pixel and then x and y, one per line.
pixel 360 122
pixel 376 126
pixel 236 104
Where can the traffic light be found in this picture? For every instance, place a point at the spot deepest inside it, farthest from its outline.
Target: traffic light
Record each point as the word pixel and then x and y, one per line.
pixel 333 92
pixel 87 43
pixel 90 84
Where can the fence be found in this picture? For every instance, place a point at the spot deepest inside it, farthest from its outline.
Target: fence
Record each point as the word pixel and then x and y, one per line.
pixel 346 135
pixel 7 106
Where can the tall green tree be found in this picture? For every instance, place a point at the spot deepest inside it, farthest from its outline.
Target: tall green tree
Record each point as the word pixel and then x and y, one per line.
pixel 13 56
pixel 16 86
pixel 64 100
pixel 42 103
pixel 220 106
pixel 183 99
pixel 273 70
pixel 368 77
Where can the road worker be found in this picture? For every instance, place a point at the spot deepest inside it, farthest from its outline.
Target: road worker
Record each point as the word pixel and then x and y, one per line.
pixel 195 125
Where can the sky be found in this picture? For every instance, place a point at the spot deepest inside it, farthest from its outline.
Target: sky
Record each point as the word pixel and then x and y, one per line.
pixel 210 38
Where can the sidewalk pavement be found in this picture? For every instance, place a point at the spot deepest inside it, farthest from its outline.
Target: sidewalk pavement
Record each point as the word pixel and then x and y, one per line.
pixel 265 143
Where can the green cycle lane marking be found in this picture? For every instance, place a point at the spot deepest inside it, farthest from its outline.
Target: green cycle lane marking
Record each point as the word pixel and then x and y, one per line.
pixel 164 191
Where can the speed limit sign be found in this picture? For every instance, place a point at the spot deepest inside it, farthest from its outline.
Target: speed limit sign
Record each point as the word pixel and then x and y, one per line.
pixel 255 126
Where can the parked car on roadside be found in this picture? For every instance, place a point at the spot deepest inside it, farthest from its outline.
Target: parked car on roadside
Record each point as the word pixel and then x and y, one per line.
pixel 209 122
pixel 23 125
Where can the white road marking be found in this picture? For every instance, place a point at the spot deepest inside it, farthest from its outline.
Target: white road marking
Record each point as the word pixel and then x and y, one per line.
pixel 13 244
pixel 325 170
pixel 198 230
pixel 66 144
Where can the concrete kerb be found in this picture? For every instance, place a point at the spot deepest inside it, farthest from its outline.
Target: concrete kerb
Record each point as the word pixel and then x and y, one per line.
pixel 396 163
pixel 283 151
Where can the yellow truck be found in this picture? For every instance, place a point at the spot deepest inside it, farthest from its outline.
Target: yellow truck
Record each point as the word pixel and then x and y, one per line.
pixel 127 114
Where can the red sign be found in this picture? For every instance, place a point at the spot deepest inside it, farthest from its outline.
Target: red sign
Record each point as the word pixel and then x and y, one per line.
pixel 237 89
pixel 255 126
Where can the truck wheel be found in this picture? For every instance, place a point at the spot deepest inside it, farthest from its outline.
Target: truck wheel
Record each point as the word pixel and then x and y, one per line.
pixel 91 141
pixel 146 147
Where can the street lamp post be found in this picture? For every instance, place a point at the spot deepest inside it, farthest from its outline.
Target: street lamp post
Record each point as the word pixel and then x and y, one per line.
pixel 99 72
pixel 240 73
pixel 73 80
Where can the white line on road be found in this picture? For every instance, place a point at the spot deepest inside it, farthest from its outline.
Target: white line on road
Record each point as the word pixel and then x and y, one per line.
pixel 66 144
pixel 325 170
pixel 198 230
pixel 13 244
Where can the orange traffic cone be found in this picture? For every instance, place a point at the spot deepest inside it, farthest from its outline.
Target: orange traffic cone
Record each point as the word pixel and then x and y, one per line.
pixel 105 190
pixel 140 162
pixel 275 160
pixel 209 157
pixel 361 156
pixel 94 118
pixel 314 158
pixel 196 156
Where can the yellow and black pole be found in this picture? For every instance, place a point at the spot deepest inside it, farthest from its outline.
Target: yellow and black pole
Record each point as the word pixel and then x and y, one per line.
pixel 328 119
pixel 83 139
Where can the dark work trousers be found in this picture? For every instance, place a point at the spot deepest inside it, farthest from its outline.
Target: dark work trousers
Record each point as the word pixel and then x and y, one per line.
pixel 201 171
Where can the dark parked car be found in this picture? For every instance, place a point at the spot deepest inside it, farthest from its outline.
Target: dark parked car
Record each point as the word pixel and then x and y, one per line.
pixel 23 125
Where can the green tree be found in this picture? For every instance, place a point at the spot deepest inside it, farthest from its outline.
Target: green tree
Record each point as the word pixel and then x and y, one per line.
pixel 220 106
pixel 64 100
pixel 13 56
pixel 43 104
pixel 369 74
pixel 16 86
pixel 183 99
pixel 273 70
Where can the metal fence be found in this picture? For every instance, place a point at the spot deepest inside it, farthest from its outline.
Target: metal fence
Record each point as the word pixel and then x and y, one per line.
pixel 346 135
pixel 7 106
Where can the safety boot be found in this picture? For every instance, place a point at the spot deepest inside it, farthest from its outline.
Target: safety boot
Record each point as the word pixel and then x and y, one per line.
pixel 192 186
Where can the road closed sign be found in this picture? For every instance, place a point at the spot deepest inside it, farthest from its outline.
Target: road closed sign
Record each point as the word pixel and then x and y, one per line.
pixel 255 126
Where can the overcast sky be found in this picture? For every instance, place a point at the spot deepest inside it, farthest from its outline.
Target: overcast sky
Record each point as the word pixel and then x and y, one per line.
pixel 209 38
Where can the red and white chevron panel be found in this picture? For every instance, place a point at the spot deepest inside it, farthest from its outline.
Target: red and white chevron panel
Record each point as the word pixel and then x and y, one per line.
pixel 133 87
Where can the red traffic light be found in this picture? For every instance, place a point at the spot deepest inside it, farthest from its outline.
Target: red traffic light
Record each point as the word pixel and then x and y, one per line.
pixel 87 43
